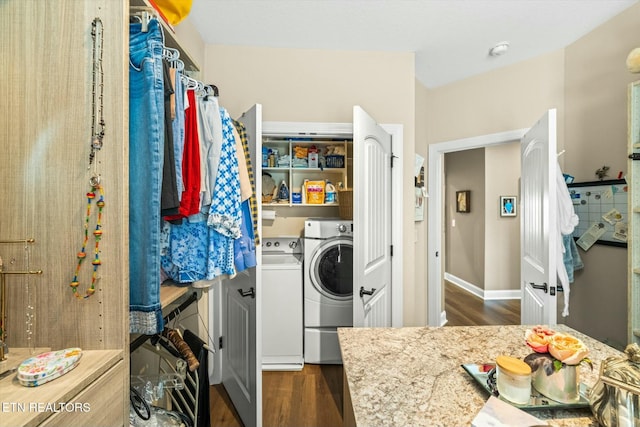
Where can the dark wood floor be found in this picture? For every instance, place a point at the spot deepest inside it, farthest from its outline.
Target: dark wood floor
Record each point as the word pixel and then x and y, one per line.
pixel 313 396
pixel 309 398
pixel 465 309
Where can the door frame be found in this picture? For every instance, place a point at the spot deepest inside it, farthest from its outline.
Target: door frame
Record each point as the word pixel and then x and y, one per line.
pixel 435 276
pixel 397 212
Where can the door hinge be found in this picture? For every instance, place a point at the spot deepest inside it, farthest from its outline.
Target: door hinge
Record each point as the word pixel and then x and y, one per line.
pixel 220 343
pixel 391 250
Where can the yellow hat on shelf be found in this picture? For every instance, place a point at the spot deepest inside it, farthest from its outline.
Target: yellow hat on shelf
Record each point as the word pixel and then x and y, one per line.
pixel 174 11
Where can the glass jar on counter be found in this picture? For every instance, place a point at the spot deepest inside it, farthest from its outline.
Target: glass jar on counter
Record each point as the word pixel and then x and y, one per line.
pixel 514 379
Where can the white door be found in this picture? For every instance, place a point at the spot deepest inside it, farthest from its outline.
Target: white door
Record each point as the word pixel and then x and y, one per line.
pixel 242 307
pixel 372 249
pixel 538 223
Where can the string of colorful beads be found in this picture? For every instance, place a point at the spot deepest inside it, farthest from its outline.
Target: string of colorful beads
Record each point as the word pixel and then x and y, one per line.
pixel 97 234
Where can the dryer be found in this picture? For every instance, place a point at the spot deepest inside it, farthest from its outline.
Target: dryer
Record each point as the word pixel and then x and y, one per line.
pixel 328 286
pixel 282 329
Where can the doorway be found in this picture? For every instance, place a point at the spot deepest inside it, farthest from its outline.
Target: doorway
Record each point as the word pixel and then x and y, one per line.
pixel 436 244
pixel 482 245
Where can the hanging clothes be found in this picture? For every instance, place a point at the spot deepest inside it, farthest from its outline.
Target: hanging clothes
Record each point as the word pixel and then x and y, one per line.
pixel 253 205
pixel 195 252
pixel 244 247
pixel 246 189
pixel 572 260
pixel 169 200
pixel 177 126
pixel 146 152
pixel 201 248
pixel 210 133
pixel 566 222
pixel 225 213
pixel 190 201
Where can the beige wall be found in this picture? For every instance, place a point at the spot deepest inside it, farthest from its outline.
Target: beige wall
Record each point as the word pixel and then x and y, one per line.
pixel 502 234
pixel 511 97
pixel 587 83
pixel 596 82
pixel 464 170
pixel 307 85
pixel 191 41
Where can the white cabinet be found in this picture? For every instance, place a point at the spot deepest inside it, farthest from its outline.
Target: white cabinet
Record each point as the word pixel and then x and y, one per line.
pixel 633 180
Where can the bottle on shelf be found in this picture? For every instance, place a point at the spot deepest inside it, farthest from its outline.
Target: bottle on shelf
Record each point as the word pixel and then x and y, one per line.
pixel 283 191
pixel 330 193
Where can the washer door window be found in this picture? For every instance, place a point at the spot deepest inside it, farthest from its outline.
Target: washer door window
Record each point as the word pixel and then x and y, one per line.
pixel 331 268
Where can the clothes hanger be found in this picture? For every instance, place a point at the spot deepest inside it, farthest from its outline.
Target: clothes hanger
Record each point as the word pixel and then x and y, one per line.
pixel 189 82
pixel 177 64
pixel 210 90
pixel 170 54
pixel 143 15
pixel 159 340
pixel 206 346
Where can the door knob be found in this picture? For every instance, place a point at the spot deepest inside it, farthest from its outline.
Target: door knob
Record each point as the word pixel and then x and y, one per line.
pixel 250 293
pixel 364 292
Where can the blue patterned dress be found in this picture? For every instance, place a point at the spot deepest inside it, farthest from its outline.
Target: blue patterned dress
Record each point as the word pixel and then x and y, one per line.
pixel 202 247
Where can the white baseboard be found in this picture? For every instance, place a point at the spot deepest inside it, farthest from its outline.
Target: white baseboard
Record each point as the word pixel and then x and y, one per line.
pixel 481 293
pixel 443 318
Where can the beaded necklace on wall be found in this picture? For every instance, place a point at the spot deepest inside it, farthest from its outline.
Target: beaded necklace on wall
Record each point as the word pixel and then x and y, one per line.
pixel 96 189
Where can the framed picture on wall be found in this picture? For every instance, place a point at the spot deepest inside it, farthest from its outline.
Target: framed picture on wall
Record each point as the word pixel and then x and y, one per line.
pixel 463 201
pixel 508 205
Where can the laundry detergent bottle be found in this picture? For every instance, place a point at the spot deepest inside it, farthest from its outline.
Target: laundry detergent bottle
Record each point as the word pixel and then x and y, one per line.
pixel 330 193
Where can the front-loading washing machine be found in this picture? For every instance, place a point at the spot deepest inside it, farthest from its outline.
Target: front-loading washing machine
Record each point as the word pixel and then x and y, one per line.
pixel 328 287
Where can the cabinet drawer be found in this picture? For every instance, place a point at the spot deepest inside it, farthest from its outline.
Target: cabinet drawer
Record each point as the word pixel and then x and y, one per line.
pixel 101 404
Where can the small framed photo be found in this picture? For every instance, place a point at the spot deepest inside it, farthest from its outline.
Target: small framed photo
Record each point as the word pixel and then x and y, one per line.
pixel 508 205
pixel 463 201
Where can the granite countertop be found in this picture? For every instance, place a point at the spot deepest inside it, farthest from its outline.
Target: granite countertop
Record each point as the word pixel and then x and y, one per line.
pixel 413 376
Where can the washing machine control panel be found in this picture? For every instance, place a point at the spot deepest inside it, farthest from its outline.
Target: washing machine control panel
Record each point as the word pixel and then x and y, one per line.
pixel 289 245
pixel 324 228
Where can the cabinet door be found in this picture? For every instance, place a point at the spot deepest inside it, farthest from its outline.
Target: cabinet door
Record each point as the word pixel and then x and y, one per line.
pixel 372 222
pixel 240 373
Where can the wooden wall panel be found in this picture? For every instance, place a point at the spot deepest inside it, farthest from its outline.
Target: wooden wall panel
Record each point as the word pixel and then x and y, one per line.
pixel 45 129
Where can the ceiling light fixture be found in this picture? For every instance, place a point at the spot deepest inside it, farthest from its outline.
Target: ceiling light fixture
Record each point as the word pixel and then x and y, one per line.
pixel 499 49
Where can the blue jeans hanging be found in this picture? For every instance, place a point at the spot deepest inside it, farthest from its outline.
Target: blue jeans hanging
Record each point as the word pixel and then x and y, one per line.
pixel 146 145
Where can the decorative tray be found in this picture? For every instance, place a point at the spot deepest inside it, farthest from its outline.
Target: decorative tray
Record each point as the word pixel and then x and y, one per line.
pixel 484 374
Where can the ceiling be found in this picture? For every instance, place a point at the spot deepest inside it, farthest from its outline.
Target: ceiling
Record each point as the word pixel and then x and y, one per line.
pixel 451 38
